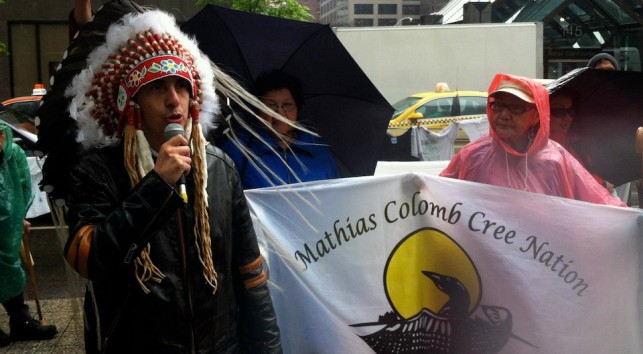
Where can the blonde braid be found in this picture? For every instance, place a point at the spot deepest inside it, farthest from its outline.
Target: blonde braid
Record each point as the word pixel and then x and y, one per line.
pixel 130 148
pixel 145 270
pixel 137 166
pixel 202 221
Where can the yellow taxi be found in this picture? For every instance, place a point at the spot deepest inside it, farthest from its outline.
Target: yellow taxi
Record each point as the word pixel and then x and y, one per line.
pixel 27 105
pixel 436 109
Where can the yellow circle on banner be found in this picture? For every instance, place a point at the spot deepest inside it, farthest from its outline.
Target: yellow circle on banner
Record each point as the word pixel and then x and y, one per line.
pixel 409 290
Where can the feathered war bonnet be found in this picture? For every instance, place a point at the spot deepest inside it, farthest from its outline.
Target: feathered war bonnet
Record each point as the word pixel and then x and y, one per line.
pixel 138 49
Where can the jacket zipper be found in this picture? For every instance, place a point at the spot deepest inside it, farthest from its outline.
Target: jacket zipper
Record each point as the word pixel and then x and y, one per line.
pixel 186 281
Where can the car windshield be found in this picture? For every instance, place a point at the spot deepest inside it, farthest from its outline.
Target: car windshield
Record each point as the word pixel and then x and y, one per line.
pixel 18 119
pixel 403 105
pixel 13 117
pixel 29 108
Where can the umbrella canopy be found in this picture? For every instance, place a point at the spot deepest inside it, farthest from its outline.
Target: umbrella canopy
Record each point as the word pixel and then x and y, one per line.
pixel 609 109
pixel 342 104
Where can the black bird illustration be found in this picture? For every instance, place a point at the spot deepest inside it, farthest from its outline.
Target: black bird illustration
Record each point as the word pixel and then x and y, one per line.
pixel 456 310
pixel 451 330
pixel 459 299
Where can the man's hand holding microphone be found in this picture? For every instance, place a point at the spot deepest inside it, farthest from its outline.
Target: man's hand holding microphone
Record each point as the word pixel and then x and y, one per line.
pixel 174 161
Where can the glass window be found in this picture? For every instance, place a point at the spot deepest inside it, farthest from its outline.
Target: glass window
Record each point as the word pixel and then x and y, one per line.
pixel 410 10
pixel 363 22
pixel 387 9
pixel 615 12
pixel 473 105
pixel 386 22
pixel 363 9
pixel 437 108
pixel 403 105
pixel 579 24
pixel 27 107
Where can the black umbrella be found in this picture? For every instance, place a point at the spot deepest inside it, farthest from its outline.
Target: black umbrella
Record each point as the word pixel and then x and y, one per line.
pixel 342 104
pixel 609 109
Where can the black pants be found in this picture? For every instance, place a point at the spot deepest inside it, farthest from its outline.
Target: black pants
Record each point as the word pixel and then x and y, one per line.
pixel 16 308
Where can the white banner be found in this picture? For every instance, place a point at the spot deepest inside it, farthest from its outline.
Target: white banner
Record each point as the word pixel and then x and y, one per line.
pixel 420 264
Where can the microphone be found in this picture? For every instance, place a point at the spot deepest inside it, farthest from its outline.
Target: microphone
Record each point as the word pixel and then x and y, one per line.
pixel 172 130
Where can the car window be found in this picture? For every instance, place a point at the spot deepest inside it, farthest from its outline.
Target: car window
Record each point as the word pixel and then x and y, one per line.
pixel 17 119
pixel 473 105
pixel 27 107
pixel 403 105
pixel 9 117
pixel 439 107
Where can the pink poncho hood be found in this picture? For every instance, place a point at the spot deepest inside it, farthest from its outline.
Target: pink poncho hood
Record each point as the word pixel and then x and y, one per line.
pixel 541 100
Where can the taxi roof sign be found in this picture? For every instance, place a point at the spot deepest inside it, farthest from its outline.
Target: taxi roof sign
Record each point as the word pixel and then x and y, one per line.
pixel 39 90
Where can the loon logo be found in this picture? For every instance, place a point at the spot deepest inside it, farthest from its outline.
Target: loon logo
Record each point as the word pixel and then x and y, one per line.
pixel 434 289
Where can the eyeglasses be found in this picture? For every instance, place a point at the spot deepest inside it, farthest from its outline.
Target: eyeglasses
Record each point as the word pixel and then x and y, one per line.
pixel 287 107
pixel 514 108
pixel 562 112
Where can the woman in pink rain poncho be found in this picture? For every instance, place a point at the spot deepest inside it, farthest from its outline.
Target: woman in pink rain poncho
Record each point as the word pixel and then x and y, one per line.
pixel 518 154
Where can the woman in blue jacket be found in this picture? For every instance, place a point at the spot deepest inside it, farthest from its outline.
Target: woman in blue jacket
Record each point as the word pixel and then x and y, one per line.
pixel 292 155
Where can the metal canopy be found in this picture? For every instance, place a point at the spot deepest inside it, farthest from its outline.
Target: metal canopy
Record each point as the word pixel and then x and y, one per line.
pixel 583 23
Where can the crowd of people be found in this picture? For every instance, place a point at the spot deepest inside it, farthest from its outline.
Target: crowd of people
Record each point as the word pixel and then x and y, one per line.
pixel 174 274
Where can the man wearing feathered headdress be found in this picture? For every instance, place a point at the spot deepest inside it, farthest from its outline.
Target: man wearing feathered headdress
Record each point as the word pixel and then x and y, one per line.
pixel 168 274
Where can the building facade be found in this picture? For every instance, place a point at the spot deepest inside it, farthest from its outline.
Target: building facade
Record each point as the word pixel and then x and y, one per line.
pixel 367 13
pixel 574 30
pixel 37 34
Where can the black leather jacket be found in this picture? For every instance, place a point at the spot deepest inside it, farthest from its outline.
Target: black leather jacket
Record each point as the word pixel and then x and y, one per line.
pixel 180 314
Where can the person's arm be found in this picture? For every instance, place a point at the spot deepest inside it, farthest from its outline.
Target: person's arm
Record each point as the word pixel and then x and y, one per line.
pixel 257 318
pixel 82 11
pixel 109 224
pixel 25 176
pixel 79 15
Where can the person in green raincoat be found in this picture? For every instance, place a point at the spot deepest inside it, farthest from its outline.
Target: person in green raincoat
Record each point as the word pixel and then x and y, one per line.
pixel 16 196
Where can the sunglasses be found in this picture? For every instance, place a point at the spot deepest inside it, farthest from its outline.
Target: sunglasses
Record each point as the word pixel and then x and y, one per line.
pixel 514 108
pixel 562 112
